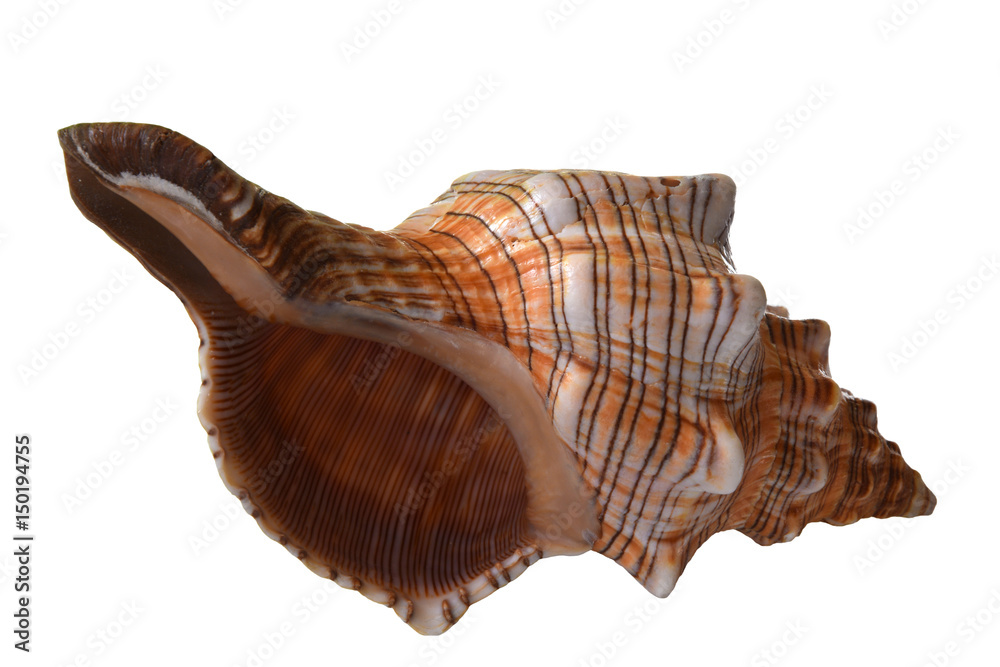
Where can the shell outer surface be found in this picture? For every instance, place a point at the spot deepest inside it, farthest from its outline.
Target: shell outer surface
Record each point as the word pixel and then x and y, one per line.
pixel 537 363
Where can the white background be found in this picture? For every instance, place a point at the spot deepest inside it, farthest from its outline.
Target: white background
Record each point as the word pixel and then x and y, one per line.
pixel 606 76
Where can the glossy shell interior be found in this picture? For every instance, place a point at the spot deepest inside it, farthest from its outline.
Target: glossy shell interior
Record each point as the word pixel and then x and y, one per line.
pixel 537 363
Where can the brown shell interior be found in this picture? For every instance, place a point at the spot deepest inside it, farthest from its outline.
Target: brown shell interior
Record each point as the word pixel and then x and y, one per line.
pixel 440 498
pixel 372 461
pixel 682 408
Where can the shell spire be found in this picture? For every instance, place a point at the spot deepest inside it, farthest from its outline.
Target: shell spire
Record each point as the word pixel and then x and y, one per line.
pixel 537 363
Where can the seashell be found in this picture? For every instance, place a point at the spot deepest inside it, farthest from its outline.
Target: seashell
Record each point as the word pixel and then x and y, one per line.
pixel 538 363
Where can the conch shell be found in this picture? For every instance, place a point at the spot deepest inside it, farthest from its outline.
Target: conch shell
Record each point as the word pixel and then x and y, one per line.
pixel 538 363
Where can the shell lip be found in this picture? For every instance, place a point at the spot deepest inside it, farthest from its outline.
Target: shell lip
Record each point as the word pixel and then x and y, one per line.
pixel 131 155
pixel 111 149
pixel 144 166
pixel 126 157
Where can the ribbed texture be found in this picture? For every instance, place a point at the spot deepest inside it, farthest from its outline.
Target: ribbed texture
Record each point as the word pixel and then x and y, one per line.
pixel 609 289
pixel 418 499
pixel 688 407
